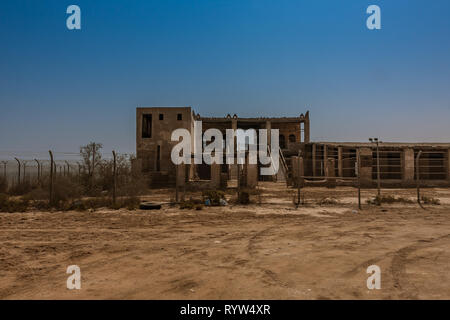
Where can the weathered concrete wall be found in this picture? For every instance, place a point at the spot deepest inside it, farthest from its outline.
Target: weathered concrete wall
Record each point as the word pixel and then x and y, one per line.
pixel 298 171
pixel 408 166
pixel 330 173
pixel 366 166
pixel 340 163
pixel 295 171
pixel 252 175
pixel 448 165
pixel 161 131
pixel 215 175
pixel 314 159
pixel 181 175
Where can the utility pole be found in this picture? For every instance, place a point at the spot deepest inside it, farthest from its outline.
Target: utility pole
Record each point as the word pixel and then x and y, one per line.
pixel 114 176
pixel 52 165
pixel 376 141
pixel 18 176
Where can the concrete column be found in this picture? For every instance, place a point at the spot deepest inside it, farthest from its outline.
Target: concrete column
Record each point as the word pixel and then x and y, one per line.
pixel 408 166
pixel 181 175
pixel 314 160
pixel 252 175
pixel 330 173
pixel 448 165
pixel 233 167
pixel 340 164
pixel 306 128
pixel 268 128
pixel 215 175
pixel 366 166
pixel 301 170
pixel 325 159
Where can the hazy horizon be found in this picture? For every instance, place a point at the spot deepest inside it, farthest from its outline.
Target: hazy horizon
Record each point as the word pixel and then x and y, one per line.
pixel 60 88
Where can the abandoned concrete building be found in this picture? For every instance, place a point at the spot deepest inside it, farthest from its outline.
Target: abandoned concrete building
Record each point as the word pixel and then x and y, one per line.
pixel 301 160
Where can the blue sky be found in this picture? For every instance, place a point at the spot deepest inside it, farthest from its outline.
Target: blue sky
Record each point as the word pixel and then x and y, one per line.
pixel 60 89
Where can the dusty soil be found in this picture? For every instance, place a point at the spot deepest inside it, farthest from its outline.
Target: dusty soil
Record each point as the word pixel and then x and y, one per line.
pixel 262 251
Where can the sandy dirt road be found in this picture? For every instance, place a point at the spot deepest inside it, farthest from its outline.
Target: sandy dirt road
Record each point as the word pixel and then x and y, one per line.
pixel 269 251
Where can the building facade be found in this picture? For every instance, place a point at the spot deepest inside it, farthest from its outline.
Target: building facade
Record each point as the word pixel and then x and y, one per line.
pixel 320 160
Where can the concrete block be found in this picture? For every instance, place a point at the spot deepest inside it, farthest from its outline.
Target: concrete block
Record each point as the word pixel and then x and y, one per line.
pixel 408 166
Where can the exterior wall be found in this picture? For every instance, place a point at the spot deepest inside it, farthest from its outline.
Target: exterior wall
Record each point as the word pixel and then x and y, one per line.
pixel 448 165
pixel 408 166
pixel 314 155
pixel 397 163
pixel 366 166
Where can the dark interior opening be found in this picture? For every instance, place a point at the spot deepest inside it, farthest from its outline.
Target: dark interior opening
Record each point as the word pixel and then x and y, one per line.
pixel 146 126
pixel 158 158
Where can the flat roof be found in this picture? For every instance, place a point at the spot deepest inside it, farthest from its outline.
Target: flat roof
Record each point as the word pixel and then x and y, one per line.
pixel 385 144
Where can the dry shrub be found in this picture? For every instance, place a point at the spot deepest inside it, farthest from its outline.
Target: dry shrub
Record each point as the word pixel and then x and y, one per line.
pixel 3 185
pixel 214 196
pixel 10 205
pixel 191 204
pixel 328 201
pixel 20 189
pixel 131 203
pixel 378 200
pixel 430 200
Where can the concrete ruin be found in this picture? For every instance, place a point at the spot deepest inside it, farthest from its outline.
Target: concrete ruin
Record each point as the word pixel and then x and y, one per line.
pixel 301 161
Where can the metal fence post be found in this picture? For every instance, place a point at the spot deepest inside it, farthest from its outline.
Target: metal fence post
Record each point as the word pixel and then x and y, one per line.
pixel 52 166
pixel 358 160
pixel 38 171
pixel 114 176
pixel 18 176
pixel 418 179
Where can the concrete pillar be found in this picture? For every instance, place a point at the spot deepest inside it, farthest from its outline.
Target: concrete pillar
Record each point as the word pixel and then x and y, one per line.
pixel 366 166
pixel 448 165
pixel 330 173
pixel 268 128
pixel 324 159
pixel 295 173
pixel 408 166
pixel 233 167
pixel 340 164
pixel 215 175
pixel 301 171
pixel 314 160
pixel 306 128
pixel 181 175
pixel 252 175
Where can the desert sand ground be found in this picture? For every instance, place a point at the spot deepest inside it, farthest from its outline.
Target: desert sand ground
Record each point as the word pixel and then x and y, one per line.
pixel 261 251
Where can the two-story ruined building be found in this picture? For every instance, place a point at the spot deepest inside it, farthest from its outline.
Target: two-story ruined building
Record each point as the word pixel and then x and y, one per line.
pixel 397 161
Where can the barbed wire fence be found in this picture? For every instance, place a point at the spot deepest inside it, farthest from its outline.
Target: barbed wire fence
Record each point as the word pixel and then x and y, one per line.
pixel 24 171
pixel 430 169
